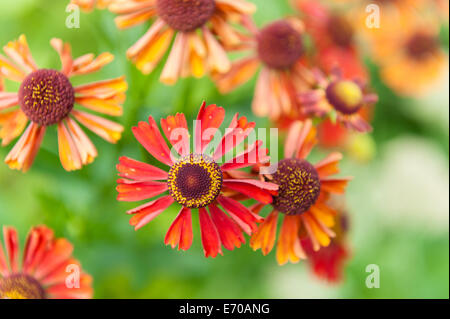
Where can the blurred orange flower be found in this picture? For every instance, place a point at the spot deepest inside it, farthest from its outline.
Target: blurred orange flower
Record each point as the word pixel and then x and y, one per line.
pixel 45 268
pixel 46 97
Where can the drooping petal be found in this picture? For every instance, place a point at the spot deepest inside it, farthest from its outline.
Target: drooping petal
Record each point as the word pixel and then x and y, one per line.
pixel 180 232
pixel 229 233
pixel 83 144
pixel 131 191
pixel 329 165
pixel 144 214
pixel 218 58
pixel 22 155
pixel 264 238
pixel 240 214
pixel 210 237
pixel 176 130
pixel 261 191
pixel 150 48
pixel 150 137
pixel 139 171
pixel 209 119
pixel 289 247
pixel 172 68
pixel 240 6
pixel 106 129
pixel 68 152
pixel 262 100
pixel 355 122
pixel 319 234
pixel 306 139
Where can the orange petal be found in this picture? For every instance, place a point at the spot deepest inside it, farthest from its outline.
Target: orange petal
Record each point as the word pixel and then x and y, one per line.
pixel 68 152
pixel 172 68
pixel 135 18
pixel 85 148
pixel 19 52
pixel 94 65
pixel 335 185
pixel 288 247
pixel 218 58
pixel 22 155
pixel 329 165
pixel 108 130
pixel 240 72
pixel 264 237
pixel 10 71
pixel 12 125
pixel 65 54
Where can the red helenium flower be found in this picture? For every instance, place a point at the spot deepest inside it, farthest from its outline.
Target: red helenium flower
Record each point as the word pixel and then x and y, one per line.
pixel 195 180
pixel 44 270
pixel 302 198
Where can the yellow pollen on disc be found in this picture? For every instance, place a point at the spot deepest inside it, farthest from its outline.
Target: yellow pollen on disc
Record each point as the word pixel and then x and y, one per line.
pixel 348 92
pixel 195 181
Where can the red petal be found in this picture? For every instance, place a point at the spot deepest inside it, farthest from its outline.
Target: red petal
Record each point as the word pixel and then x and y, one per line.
pixel 139 171
pixel 131 191
pixel 12 247
pixel 209 118
pixel 240 214
pixel 150 137
pixel 236 132
pixel 147 212
pixel 59 251
pixel 180 232
pixel 261 191
pixel 210 237
pixel 253 155
pixel 38 241
pixel 229 233
pixel 177 132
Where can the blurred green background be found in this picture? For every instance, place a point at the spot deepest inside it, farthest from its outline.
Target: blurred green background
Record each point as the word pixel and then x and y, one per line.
pixel 398 202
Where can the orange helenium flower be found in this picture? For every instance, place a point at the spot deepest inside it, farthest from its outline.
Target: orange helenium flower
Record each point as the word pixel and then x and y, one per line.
pixel 201 29
pixel 347 99
pixel 47 263
pixel 46 97
pixel 195 180
pixel 278 47
pixel 302 198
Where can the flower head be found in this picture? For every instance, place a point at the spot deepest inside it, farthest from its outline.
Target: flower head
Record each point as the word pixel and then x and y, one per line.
pixel 195 180
pixel 278 50
pixel 301 200
pixel 47 97
pixel 336 96
pixel 43 272
pixel 201 28
pixel 334 38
